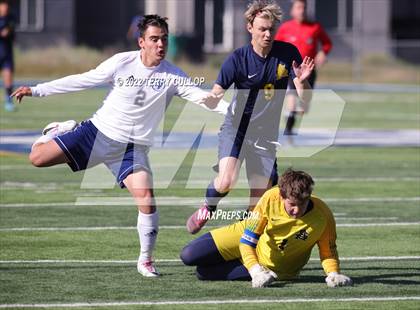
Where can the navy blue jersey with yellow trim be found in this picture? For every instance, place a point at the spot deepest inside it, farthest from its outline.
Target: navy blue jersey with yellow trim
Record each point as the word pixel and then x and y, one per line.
pixel 260 85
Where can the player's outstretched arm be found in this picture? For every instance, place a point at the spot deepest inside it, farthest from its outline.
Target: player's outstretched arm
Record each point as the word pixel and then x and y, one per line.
pixel 21 92
pixel 214 101
pixel 320 59
pixel 213 98
pixel 329 255
pixel 261 276
pixel 302 73
pixel 102 74
pixel 209 100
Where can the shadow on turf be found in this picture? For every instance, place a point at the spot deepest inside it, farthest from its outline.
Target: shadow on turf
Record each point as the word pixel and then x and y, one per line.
pixel 383 278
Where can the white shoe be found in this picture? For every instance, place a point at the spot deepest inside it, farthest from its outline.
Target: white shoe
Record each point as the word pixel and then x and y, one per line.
pixel 58 128
pixel 147 269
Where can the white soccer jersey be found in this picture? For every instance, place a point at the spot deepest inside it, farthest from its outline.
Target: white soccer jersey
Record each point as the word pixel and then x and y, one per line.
pixel 138 95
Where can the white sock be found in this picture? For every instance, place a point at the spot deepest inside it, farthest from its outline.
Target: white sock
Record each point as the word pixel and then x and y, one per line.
pixel 147 227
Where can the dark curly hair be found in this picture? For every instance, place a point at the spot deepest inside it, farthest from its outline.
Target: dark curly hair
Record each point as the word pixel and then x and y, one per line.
pixel 152 20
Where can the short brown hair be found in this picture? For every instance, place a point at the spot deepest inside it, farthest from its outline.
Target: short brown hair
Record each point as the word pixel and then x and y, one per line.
pixel 296 185
pixel 263 8
pixel 152 20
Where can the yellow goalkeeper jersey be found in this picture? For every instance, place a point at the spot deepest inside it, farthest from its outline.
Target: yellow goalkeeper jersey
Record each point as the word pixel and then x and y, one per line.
pixel 274 239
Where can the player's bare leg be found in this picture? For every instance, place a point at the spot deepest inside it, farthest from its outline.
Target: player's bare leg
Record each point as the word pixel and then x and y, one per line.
pixel 258 185
pixel 7 75
pixel 45 151
pixel 228 174
pixel 47 154
pixel 140 185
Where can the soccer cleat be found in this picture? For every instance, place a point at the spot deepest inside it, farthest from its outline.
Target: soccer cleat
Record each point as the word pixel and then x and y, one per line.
pixel 198 219
pixel 58 128
pixel 147 269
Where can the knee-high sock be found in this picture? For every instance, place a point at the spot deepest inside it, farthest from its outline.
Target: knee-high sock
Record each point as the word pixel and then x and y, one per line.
pixel 213 197
pixel 147 228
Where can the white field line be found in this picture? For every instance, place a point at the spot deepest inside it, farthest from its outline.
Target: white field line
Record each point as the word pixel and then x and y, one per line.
pixel 157 166
pixel 195 181
pixel 166 166
pixel 36 205
pixel 367 179
pixel 100 228
pixel 243 182
pixel 230 202
pixel 210 302
pixel 176 260
pixel 9 185
pixel 187 201
pixel 29 167
pixel 378 224
pixel 164 180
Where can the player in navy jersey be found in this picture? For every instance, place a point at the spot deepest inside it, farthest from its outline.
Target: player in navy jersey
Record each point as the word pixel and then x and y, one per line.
pixel 260 72
pixel 7 28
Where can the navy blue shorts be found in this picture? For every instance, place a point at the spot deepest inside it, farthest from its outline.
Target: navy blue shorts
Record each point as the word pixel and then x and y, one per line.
pixel 6 62
pixel 86 147
pixel 259 155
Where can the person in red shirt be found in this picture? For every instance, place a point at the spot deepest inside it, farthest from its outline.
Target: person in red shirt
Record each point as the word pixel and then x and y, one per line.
pixel 306 35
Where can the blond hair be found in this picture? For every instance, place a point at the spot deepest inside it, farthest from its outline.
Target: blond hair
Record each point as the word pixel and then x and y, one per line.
pixel 265 9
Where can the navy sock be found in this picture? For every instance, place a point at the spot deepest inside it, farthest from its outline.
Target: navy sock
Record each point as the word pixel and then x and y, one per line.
pixel 290 124
pixel 213 197
pixel 9 91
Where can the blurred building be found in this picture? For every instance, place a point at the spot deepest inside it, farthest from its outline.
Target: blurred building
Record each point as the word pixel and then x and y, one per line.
pixel 217 26
pixel 96 23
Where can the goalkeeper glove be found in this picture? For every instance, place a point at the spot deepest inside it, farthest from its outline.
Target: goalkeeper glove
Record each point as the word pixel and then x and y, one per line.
pixel 261 276
pixel 335 279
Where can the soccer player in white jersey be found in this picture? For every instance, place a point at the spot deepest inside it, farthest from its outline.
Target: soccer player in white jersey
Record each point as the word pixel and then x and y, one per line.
pixel 120 133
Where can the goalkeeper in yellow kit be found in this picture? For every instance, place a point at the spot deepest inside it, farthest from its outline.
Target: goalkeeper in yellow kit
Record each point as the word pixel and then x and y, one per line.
pixel 274 242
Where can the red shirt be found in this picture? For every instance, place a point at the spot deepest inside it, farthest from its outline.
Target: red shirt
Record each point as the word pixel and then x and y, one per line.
pixel 305 36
